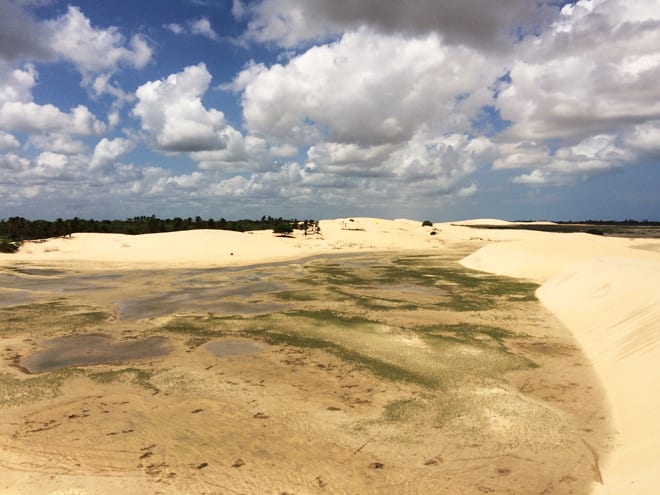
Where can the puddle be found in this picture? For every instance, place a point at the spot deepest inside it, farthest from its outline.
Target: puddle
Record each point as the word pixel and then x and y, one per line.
pixel 54 283
pixel 200 299
pixel 235 347
pixel 14 297
pixel 90 349
pixel 43 272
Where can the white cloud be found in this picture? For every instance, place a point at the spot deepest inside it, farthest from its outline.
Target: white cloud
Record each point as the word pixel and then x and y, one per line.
pixel 202 27
pixel 175 28
pixel 93 49
pixel 171 111
pixel 31 117
pixel 644 139
pixel 196 27
pixel 107 151
pixel 102 84
pixel 568 165
pixel 16 84
pixel 57 143
pixel 593 71
pixel 521 155
pixel 367 89
pixel 8 141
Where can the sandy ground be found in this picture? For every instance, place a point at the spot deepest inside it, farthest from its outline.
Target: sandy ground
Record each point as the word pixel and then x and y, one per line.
pixel 606 291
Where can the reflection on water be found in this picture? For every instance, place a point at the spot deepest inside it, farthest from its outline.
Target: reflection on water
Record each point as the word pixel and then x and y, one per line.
pixel 182 303
pixel 82 350
pixel 14 297
pixel 235 347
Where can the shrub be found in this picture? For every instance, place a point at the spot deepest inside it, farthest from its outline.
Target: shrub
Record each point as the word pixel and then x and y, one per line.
pixel 8 246
pixel 283 228
pixel 427 223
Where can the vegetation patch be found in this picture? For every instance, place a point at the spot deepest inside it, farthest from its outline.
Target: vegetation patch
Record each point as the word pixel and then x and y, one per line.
pixel 328 317
pixel 198 326
pixel 134 376
pixel 16 391
pixel 52 316
pixel 377 366
pixel 402 409
pixel 295 295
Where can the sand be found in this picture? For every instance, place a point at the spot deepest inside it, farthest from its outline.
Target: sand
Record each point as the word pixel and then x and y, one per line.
pixel 605 290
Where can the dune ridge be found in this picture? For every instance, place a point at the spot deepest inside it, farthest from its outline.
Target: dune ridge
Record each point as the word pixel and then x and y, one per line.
pixel 608 294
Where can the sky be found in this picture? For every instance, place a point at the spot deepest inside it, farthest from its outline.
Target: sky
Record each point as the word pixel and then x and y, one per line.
pixel 438 109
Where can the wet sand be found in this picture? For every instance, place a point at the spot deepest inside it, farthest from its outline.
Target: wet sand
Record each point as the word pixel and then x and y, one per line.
pixel 381 372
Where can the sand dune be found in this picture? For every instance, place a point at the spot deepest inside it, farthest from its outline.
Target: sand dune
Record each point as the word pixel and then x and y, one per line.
pixel 608 294
pixel 223 248
pixel 605 290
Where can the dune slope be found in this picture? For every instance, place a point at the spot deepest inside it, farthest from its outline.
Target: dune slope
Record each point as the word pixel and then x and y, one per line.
pixel 608 295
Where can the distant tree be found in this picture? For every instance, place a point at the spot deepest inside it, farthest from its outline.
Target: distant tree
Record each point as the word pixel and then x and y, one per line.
pixel 282 228
pixel 8 246
pixel 427 223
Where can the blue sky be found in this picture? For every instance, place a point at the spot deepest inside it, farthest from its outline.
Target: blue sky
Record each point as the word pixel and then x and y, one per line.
pixel 311 108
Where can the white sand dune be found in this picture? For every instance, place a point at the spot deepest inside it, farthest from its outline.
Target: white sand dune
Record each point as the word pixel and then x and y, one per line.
pixel 223 248
pixel 608 294
pixel 606 290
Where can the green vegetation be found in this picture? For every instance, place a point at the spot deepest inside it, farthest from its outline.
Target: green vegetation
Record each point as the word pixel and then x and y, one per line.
pixel 427 223
pixel 295 295
pixel 7 246
pixel 50 317
pixel 19 228
pixel 328 317
pixel 377 366
pixel 134 376
pixel 17 391
pixel 402 410
pixel 283 228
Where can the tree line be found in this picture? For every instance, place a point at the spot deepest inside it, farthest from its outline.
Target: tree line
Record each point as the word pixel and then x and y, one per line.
pixel 14 230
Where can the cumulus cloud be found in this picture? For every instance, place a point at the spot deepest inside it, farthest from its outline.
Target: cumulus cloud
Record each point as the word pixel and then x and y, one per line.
pixel 568 165
pixel 198 27
pixel 93 49
pixel 175 28
pixel 8 141
pixel 594 70
pixel 479 23
pixel 58 143
pixel 19 113
pixel 107 151
pixel 384 114
pixel 171 111
pixel 644 139
pixel 367 89
pixel 202 27
pixel 69 37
